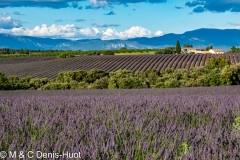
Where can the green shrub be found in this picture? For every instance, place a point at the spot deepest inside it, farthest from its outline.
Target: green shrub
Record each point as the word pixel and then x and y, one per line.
pixel 93 75
pixel 108 52
pixel 123 49
pixel 99 84
pixel 12 80
pixel 79 75
pixel 65 55
pixel 38 82
pixel 217 62
pixel 112 83
pixel 78 85
pixel 13 83
pixel 2 77
pixel 132 82
pixel 152 77
pixel 125 83
pixel 140 74
pixel 230 75
pixel 171 83
pixel 125 79
pixel 168 71
pixel 65 77
pixel 121 74
pixel 201 81
pixel 213 77
pixel 19 83
pixel 195 72
pixel 114 77
pixel 139 82
pixel 159 85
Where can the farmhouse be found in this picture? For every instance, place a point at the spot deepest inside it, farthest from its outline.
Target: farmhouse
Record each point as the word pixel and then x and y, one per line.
pixel 198 51
pixel 190 50
pixel 216 51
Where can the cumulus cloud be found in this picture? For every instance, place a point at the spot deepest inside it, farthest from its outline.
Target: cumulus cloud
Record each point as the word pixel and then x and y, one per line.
pixel 58 31
pixel 71 31
pixel 159 33
pixel 9 23
pixel 133 32
pixel 214 5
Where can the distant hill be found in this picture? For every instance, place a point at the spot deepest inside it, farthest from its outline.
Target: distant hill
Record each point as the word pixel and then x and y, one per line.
pixel 222 39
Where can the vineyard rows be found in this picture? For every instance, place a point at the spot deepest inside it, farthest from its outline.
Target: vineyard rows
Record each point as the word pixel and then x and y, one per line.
pixel 42 67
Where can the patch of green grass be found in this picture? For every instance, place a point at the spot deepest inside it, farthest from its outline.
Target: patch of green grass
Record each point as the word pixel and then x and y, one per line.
pixel 135 53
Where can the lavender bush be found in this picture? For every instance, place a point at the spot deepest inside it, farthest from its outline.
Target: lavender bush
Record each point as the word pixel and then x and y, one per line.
pixel 123 127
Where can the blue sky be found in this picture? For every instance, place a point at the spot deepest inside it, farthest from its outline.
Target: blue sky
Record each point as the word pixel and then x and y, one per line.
pixel 115 19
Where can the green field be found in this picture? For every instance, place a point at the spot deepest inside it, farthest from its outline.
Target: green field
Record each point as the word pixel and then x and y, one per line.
pixel 135 53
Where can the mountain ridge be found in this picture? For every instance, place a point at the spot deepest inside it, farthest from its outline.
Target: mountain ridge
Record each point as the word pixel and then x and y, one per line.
pixel 219 38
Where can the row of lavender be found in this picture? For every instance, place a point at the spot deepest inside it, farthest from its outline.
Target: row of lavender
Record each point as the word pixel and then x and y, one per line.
pixel 123 127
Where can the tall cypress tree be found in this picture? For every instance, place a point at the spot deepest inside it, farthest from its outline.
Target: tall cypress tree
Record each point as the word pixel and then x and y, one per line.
pixel 178 47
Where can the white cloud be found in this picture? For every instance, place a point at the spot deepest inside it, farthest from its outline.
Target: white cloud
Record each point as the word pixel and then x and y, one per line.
pixel 6 22
pixel 90 32
pixel 70 31
pixel 133 32
pixel 97 3
pixel 159 33
pixel 66 31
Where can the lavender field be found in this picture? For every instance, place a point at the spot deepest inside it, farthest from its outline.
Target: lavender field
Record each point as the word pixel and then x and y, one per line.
pixel 190 123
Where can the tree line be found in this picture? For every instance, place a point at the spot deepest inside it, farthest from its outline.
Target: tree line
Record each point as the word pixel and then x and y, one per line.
pixel 8 53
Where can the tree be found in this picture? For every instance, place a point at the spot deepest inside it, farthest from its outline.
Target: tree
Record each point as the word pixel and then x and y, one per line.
pixel 208 48
pixel 108 52
pixel 123 49
pixel 234 50
pixel 188 45
pixel 65 55
pixel 169 50
pixel 178 47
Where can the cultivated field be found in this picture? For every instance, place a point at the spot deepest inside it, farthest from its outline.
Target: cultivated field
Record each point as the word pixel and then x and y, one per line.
pixel 220 90
pixel 190 123
pixel 43 67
